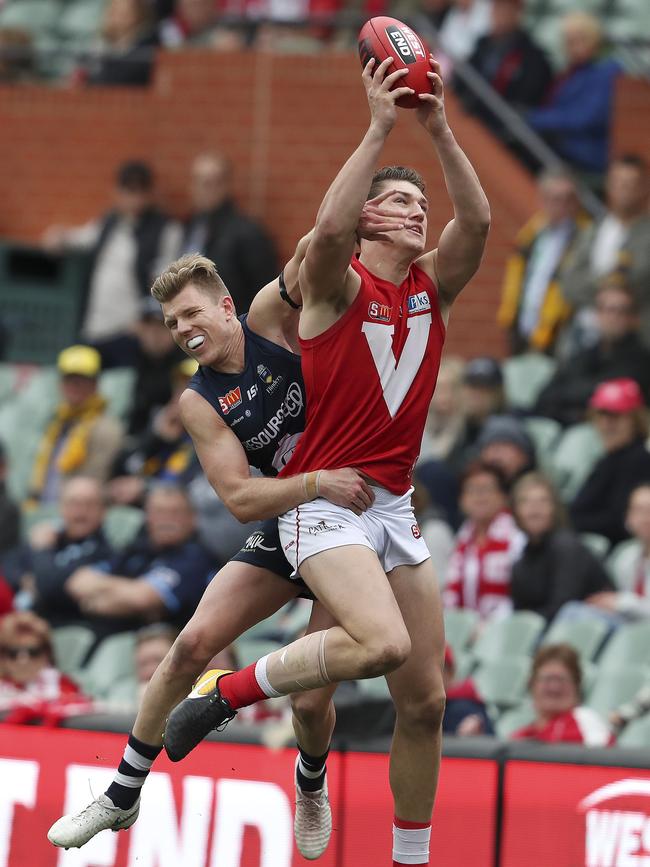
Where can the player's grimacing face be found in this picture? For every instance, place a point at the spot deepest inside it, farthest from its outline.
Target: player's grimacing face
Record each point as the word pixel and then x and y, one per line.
pixel 198 322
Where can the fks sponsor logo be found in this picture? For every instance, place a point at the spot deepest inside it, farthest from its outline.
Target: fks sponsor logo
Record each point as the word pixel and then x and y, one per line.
pixel 267 378
pixel 416 531
pixel 231 400
pixel 419 302
pixel 291 407
pixel 255 542
pixel 617 824
pixel 380 312
pixel 323 527
pixel 406 42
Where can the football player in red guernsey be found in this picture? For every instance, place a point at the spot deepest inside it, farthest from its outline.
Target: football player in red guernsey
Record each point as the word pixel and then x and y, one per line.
pixel 371 333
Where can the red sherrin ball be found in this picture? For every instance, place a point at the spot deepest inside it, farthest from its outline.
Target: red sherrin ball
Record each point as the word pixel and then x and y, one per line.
pixel 382 37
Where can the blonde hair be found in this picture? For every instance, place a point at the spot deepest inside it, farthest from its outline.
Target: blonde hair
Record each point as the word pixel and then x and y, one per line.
pixel 190 268
pixel 586 24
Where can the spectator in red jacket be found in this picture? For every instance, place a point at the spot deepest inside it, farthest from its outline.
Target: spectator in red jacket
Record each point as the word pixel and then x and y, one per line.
pixel 554 685
pixel 487 544
pixel 31 688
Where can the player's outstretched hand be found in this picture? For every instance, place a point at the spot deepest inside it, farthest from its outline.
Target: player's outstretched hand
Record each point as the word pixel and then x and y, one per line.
pixel 431 113
pixel 376 221
pixel 381 98
pixel 346 488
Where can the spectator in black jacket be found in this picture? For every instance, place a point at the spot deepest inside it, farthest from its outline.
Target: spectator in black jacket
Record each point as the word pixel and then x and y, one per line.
pixel 127 52
pixel 618 353
pixel 41 568
pixel 620 417
pixel 242 250
pixel 159 577
pixel 555 566
pixel 510 61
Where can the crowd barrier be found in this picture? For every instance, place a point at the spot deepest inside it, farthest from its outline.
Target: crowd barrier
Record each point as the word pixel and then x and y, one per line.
pixel 231 805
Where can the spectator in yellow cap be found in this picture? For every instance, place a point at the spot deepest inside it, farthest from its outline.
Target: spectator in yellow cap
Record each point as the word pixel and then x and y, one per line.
pixel 80 439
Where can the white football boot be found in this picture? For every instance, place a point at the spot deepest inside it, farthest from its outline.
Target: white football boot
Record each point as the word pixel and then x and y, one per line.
pixel 77 829
pixel 312 822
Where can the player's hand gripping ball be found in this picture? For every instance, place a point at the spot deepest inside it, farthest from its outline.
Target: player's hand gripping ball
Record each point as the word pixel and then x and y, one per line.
pixel 384 37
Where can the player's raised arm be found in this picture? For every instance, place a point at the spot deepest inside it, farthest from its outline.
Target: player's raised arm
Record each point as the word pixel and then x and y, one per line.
pixel 462 241
pixel 323 273
pixel 254 498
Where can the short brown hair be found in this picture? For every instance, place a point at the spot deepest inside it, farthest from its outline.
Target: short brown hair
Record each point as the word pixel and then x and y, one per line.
pixel 190 268
pixel 562 653
pixel 539 480
pixel 482 468
pixel 395 173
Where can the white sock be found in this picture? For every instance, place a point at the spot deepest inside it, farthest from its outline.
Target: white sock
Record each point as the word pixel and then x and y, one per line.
pixel 411 845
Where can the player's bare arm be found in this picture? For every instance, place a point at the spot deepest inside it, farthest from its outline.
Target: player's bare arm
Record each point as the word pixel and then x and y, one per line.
pixel 461 244
pixel 274 317
pixel 326 279
pixel 255 498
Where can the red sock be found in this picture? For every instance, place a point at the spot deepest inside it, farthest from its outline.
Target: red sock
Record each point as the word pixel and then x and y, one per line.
pixel 410 839
pixel 241 687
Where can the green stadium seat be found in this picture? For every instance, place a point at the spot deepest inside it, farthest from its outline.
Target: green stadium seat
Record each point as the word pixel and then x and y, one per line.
pixel 615 687
pixel 248 651
pixel 71 644
pixel 464 663
pixel 123 693
pixel 111 662
pixel 597 544
pixel 122 524
pixel 374 688
pixel 34 16
pixel 623 561
pixel 8 381
pixel 544 432
pixel 636 734
pixel 516 635
pixel 524 376
pixel 630 645
pixel 503 682
pixel 48 512
pixel 586 636
pixel 117 386
pixel 460 624
pixel 81 20
pixel 515 718
pixel 574 457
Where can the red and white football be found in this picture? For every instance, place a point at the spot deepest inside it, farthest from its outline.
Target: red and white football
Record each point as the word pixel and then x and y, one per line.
pixel 382 37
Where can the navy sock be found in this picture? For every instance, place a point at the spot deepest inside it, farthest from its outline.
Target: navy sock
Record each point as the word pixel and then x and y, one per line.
pixel 310 771
pixel 133 770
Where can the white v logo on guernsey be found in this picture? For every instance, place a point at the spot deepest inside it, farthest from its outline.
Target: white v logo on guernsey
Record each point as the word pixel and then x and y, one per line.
pixel 397 377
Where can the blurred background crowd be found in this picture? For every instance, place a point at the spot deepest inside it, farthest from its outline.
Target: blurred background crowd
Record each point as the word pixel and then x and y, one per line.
pixel 533 484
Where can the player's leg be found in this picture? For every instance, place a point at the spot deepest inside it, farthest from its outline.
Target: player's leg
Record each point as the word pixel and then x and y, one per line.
pixel 313 723
pixel 239 596
pixel 418 694
pixel 370 640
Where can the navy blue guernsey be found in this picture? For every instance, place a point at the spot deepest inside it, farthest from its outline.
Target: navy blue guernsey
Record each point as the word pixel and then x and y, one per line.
pixel 264 405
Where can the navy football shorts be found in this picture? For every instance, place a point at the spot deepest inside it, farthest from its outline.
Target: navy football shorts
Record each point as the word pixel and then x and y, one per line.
pixel 264 549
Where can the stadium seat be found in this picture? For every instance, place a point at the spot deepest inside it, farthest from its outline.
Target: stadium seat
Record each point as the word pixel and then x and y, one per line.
pixel 515 718
pixel 630 645
pixel 636 734
pixel 574 456
pixel 503 682
pixel 8 381
pixel 586 636
pixel 597 544
pixel 615 687
pixel 374 688
pixel 544 432
pixel 71 644
pixel 80 21
pixel 460 624
pixel 35 16
pixel 464 663
pixel 623 561
pixel 45 513
pixel 122 524
pixel 111 662
pixel 525 376
pixel 516 635
pixel 248 651
pixel 124 694
pixel 116 386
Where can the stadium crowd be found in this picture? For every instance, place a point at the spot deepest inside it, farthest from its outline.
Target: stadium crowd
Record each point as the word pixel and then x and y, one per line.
pixel 533 484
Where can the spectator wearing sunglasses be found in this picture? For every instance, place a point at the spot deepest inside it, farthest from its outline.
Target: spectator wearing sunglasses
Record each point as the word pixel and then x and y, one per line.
pixel 32 690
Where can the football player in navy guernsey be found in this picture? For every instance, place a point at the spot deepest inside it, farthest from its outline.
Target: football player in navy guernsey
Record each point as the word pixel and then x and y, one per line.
pixel 244 407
